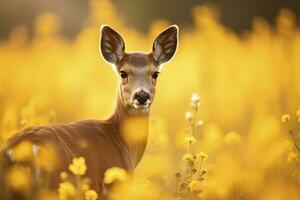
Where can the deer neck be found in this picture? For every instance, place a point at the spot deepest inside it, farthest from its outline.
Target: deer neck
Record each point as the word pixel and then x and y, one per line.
pixel 132 128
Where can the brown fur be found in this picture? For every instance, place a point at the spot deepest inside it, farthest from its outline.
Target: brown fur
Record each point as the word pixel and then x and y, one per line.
pixel 104 146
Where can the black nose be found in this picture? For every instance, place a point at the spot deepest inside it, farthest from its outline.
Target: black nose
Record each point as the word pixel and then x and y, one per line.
pixel 142 96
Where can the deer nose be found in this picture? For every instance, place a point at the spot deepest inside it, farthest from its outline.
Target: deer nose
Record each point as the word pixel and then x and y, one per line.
pixel 142 96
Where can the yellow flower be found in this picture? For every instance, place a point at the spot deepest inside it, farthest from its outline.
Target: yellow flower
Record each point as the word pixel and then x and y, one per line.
pixel 63 175
pixel 285 118
pixel 115 174
pixel 85 187
pixel 91 195
pixel 188 116
pixel 78 166
pixel 190 140
pixel 194 186
pixel 19 178
pixel 66 191
pixel 200 123
pixel 201 155
pixel 298 113
pixel 187 157
pixel 231 138
pixel 195 100
pixel 23 151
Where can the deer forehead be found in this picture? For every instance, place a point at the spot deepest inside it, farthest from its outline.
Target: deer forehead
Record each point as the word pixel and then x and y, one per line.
pixel 137 62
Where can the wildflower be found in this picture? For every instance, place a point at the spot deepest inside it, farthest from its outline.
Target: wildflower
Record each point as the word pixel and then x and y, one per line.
pixel 190 140
pixel 201 155
pixel 78 166
pixel 187 157
pixel 285 118
pixel 200 123
pixel 19 178
pixel 188 116
pixel 23 151
pixel 85 187
pixel 66 191
pixel 194 186
pixel 91 195
pixel 231 138
pixel 63 175
pixel 298 113
pixel 115 174
pixel 195 100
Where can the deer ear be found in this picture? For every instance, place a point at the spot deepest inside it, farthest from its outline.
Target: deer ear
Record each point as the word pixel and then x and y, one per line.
pixel 112 45
pixel 165 45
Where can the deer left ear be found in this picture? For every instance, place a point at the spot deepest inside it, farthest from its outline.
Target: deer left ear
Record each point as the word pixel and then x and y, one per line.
pixel 165 45
pixel 111 45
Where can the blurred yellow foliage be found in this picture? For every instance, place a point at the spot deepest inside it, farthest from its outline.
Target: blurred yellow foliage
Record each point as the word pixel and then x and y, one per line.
pixel 91 195
pixel 246 84
pixel 67 191
pixel 135 129
pixel 47 158
pixel 47 195
pixel 19 179
pixel 231 138
pixel 23 151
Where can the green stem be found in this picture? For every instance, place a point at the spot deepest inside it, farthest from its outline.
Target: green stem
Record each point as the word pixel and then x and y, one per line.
pixel 293 136
pixel 78 189
pixel 194 121
pixel 201 161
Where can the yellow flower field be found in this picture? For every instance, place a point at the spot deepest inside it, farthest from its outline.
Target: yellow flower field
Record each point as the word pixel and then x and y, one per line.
pixel 225 123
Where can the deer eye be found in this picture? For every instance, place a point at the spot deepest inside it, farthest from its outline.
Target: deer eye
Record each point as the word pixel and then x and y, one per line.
pixel 155 75
pixel 123 74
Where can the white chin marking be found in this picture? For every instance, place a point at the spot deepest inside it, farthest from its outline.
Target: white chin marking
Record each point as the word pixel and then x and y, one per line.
pixel 138 106
pixel 135 106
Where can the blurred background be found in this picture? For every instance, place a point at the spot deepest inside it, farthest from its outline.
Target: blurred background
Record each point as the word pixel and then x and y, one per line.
pixel 241 56
pixel 235 14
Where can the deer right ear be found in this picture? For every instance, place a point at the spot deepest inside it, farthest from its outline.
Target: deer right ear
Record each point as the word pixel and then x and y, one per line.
pixel 165 45
pixel 112 45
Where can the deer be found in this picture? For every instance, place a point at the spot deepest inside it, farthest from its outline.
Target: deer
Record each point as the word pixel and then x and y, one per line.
pixel 121 139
